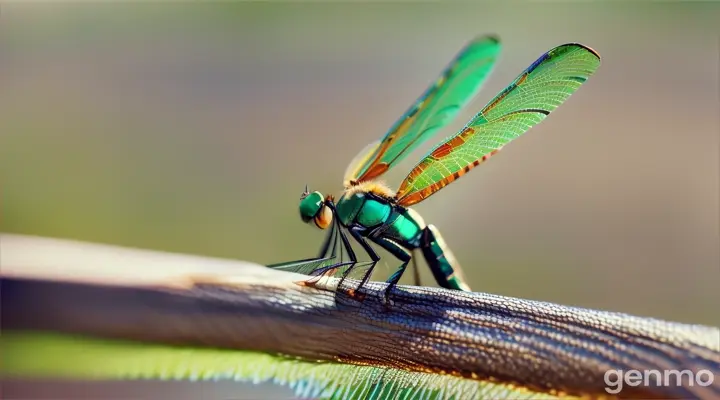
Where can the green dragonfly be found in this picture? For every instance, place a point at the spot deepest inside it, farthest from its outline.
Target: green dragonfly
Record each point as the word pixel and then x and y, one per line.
pixel 371 212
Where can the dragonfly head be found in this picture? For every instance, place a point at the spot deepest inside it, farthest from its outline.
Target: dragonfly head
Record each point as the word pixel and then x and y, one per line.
pixel 313 208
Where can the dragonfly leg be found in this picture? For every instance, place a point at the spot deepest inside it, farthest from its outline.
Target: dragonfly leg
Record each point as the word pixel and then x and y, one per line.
pixel 416 271
pixel 331 237
pixel 300 265
pixel 402 254
pixel 356 233
pixel 318 272
pixel 351 255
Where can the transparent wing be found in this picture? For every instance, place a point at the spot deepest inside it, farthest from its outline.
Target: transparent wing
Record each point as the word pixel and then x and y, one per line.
pixel 437 107
pixel 327 257
pixel 541 88
pixel 305 267
pixel 360 161
pixel 332 259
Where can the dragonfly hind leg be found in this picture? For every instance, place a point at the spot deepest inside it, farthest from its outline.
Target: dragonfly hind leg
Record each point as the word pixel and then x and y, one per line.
pixel 395 249
pixel 416 271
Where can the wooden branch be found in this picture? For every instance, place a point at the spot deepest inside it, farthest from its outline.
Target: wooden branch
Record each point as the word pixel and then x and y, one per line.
pixel 112 292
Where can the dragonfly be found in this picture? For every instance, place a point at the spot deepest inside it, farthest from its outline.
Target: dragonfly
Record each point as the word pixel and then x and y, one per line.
pixel 368 211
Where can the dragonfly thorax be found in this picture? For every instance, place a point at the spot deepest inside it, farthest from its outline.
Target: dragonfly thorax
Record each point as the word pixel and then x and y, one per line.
pixel 376 187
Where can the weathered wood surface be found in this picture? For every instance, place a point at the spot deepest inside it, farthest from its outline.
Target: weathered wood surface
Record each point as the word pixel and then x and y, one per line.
pixel 113 292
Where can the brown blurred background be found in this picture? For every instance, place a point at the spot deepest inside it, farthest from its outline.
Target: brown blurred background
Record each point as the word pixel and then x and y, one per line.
pixel 194 128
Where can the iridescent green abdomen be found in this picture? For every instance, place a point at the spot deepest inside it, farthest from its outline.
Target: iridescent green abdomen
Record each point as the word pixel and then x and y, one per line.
pixel 445 268
pixel 405 226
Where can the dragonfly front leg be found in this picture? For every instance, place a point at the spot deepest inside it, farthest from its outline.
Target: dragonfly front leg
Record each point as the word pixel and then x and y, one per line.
pixel 351 254
pixel 332 237
pixel 353 263
pixel 356 232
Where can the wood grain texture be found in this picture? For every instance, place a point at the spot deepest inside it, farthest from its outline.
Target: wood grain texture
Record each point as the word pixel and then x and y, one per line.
pixel 105 291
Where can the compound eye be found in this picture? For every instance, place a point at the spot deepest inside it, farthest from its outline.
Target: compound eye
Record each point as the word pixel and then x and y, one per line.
pixel 310 206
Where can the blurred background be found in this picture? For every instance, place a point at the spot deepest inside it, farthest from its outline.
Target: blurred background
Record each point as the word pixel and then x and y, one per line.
pixel 194 128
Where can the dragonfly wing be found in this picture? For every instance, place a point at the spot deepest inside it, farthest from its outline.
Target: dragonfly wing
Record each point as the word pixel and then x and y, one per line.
pixel 305 267
pixel 327 257
pixel 541 88
pixel 361 160
pixel 459 83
